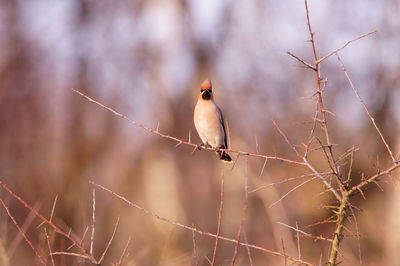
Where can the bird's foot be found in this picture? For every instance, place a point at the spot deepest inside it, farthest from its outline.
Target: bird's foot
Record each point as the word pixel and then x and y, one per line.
pixel 200 146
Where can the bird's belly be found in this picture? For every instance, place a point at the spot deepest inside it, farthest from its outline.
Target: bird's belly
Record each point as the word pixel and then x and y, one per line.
pixel 210 134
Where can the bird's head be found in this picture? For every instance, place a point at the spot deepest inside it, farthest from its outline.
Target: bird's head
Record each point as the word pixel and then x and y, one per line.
pixel 206 90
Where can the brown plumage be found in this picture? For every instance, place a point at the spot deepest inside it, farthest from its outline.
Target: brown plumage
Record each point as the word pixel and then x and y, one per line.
pixel 209 121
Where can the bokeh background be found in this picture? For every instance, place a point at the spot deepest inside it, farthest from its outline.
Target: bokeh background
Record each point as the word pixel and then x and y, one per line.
pixel 146 59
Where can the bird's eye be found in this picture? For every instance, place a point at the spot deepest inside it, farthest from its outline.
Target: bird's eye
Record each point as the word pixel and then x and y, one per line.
pixel 201 90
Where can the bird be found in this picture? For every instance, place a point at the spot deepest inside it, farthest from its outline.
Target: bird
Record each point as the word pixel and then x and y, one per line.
pixel 209 122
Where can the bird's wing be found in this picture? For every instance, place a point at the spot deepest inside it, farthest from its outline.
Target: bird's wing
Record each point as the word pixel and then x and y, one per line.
pixel 221 119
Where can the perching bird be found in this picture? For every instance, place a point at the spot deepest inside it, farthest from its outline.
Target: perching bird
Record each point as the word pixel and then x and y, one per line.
pixel 209 121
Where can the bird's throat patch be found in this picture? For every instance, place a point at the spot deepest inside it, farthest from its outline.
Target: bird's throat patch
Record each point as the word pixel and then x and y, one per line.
pixel 206 95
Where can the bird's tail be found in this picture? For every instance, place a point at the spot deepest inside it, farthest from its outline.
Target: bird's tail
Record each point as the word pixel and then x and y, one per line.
pixel 223 156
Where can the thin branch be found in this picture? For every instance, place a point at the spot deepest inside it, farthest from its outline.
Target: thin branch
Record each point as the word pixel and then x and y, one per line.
pixel 194 247
pixel 221 206
pixel 326 183
pixel 305 233
pixel 124 251
pixel 156 216
pixel 366 109
pixel 248 249
pixel 284 252
pixel 286 138
pixel 179 141
pixel 302 61
pixel 243 215
pixel 93 220
pixel 22 232
pixel 52 211
pixel 344 46
pixel 285 181
pixel 322 109
pixel 109 242
pixel 291 190
pixel 298 241
pixel 357 234
pixel 49 246
pixel 371 179
pixel 50 223
pixel 71 254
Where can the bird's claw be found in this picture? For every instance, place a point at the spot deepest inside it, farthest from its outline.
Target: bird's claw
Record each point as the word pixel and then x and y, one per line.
pixel 200 146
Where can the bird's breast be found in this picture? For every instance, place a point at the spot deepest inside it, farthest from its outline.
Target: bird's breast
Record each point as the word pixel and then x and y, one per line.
pixel 208 123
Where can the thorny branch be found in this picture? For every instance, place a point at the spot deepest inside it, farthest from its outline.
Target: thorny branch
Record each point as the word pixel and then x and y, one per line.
pixel 180 141
pixel 194 229
pixel 345 192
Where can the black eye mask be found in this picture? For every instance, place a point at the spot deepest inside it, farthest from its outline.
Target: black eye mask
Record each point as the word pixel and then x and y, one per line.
pixel 206 94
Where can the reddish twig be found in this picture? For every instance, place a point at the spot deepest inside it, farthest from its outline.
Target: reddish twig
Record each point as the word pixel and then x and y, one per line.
pixel 121 258
pixel 243 215
pixel 305 234
pixel 180 141
pixel 366 109
pixel 93 220
pixel 193 229
pixel 221 206
pixel 344 46
pixel 291 190
pixel 109 242
pixel 49 246
pixel 50 223
pixel 22 232
pixel 52 211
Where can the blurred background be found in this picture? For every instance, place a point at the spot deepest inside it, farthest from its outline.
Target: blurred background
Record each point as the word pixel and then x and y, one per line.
pixel 146 59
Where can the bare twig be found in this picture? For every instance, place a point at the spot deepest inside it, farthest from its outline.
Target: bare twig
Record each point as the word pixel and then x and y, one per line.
pixel 344 46
pixel 221 206
pixel 284 252
pixel 357 234
pixel 50 223
pixel 49 246
pixel 109 242
pixel 366 109
pixel 285 181
pixel 52 211
pixel 71 254
pixel 179 141
pixel 298 241
pixel 93 220
pixel 194 247
pixel 121 258
pixel 193 229
pixel 22 232
pixel 248 249
pixel 305 233
pixel 302 61
pixel 291 190
pixel 243 215
pixel 371 179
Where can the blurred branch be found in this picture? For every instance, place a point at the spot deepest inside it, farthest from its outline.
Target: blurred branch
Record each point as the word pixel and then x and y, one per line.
pixel 305 233
pixel 302 61
pixel 320 101
pixel 344 46
pixel 221 206
pixel 193 229
pixel 243 215
pixel 179 141
pixel 57 229
pixel 22 232
pixel 365 108
pixel 307 163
